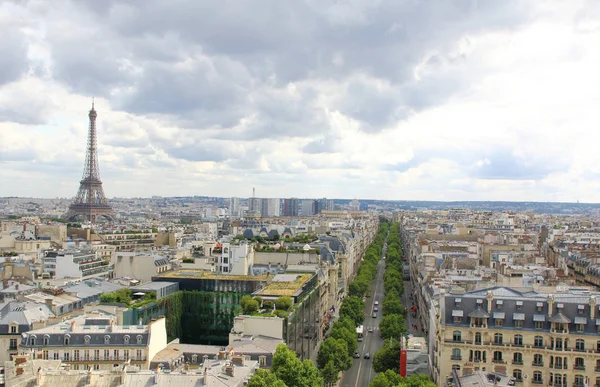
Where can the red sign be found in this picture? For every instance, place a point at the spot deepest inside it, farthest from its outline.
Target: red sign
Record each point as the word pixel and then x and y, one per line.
pixel 403 363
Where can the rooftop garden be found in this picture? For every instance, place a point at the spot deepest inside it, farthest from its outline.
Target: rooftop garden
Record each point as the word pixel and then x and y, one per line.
pixel 280 288
pixel 190 273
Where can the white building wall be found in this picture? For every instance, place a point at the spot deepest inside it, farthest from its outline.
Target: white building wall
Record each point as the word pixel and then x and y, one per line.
pixel 66 268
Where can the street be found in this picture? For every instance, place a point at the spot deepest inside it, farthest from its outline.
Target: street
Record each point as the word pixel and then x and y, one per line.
pixel 361 373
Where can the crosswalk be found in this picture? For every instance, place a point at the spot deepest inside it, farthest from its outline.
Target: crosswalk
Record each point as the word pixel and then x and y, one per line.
pixel 373 328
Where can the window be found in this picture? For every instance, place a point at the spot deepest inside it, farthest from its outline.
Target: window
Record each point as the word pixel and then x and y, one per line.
pixel 262 361
pixel 456 354
pixel 87 339
pixel 96 354
pixel 67 340
pixel 32 339
pixel 46 340
pixel 55 355
pixel 538 359
pixel 138 355
pixel 579 327
pixel 456 336
pixel 579 345
pixel 558 363
pixel 106 354
pixel 518 323
pixel 96 367
pixel 499 322
pixel 538 341
pixel 539 325
pixel 107 339
pixel 116 354
pixel 579 380
pixel 518 358
pixel 14 329
pixel 125 354
pixel 558 344
pixel 537 377
pixel 66 356
pixel 518 339
pixel 579 363
pixel 76 355
pixel 126 339
pixel 86 354
pixel 478 338
pixel 139 339
pixel 45 355
pixel 456 367
pixel 518 375
pixel 497 356
pixel 497 338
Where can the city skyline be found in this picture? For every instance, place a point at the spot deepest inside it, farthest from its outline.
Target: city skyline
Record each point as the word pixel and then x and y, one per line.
pixel 485 101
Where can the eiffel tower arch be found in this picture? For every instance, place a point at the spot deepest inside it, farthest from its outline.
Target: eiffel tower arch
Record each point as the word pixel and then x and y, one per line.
pixel 90 202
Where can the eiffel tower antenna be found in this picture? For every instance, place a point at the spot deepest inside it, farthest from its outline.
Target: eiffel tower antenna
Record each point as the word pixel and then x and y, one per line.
pixel 90 202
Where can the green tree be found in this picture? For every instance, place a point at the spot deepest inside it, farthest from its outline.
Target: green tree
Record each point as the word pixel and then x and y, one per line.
pixel 416 381
pixel 392 326
pixel 345 329
pixel 283 303
pixel 389 378
pixel 288 368
pixel 358 287
pixel 264 378
pixel 249 305
pixel 336 351
pixel 353 307
pixel 108 297
pixel 392 305
pixel 388 357
pixel 123 295
pixel 330 373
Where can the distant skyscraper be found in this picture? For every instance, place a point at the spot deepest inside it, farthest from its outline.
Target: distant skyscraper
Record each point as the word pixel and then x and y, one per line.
pixel 234 207
pixel 309 207
pixel 270 207
pixel 90 202
pixel 324 204
pixel 354 205
pixel 290 207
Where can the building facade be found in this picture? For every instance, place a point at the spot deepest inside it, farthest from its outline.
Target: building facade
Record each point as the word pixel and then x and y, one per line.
pixel 538 338
pixel 75 264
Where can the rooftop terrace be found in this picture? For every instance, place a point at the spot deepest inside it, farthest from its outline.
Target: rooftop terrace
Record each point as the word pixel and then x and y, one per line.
pixel 203 274
pixel 285 284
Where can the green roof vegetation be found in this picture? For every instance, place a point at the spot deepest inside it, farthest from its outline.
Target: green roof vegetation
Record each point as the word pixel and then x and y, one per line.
pixel 279 288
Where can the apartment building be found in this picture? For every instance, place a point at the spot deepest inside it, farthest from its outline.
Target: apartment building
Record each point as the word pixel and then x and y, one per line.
pixel 141 266
pixel 17 318
pixel 75 264
pixel 549 339
pixel 96 343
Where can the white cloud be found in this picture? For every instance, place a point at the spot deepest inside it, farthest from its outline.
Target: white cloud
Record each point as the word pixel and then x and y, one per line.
pixel 359 98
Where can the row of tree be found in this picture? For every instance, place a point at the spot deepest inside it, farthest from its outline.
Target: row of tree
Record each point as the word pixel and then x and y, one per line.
pixel 393 324
pixel 335 353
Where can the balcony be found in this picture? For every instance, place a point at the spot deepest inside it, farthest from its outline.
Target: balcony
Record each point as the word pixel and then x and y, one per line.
pixel 455 357
pixel 597 369
pixel 110 359
pixel 579 367
pixel 541 364
pixel 537 382
pixel 560 331
pixel 517 362
pixel 498 361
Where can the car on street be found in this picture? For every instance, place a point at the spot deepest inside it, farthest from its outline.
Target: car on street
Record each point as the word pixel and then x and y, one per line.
pixel 374 315
pixel 376 302
pixel 375 309
pixel 367 355
pixel 356 355
pixel 370 329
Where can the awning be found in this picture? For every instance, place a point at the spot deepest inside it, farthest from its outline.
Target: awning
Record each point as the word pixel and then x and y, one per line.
pixel 539 317
pixel 580 307
pixel 519 303
pixel 499 315
pixel 580 320
pixel 519 316
pixel 499 302
pixel 457 313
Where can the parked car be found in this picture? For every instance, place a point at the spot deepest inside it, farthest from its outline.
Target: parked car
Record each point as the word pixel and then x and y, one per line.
pixel 375 309
pixel 376 302
pixel 370 329
pixel 356 355
pixel 374 315
pixel 367 355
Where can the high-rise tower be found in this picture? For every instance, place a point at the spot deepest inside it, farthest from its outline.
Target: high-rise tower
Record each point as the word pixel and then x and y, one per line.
pixel 90 202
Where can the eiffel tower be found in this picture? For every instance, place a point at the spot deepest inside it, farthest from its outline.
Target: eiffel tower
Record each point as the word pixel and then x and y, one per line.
pixel 90 202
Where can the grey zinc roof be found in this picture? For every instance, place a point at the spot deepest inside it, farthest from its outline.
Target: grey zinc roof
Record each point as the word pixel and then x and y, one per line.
pixel 23 313
pixel 580 320
pixel 560 318
pixel 499 315
pixel 539 317
pixel 479 313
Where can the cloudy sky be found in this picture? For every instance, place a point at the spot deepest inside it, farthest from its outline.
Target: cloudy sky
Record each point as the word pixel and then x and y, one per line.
pixel 381 99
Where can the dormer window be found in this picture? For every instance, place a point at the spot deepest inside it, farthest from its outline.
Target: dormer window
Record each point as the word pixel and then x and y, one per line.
pixel 46 340
pixel 499 304
pixel 457 302
pixel 457 316
pixel 479 302
pixel 32 340
pixel 139 339
pixel 560 306
pixel 539 306
pixel 87 339
pixel 126 339
pixel 580 309
pixel 519 305
pixel 107 339
pixel 67 339
pixel 14 328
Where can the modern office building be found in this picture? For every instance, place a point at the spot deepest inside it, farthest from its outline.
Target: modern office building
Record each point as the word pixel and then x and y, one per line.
pixel 537 338
pixel 290 207
pixel 234 207
pixel 308 207
pixel 77 264
pixel 270 207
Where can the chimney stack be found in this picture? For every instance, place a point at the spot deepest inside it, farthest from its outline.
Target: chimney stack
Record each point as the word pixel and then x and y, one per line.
pixel 49 303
